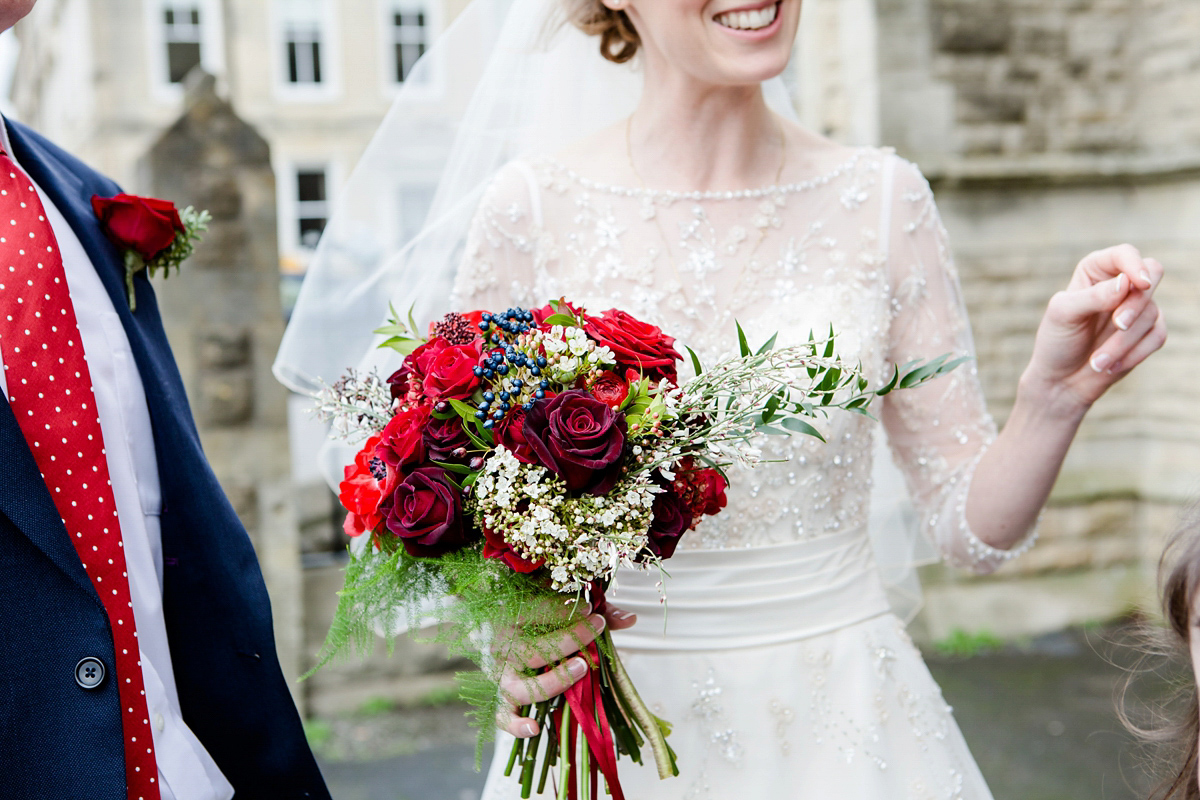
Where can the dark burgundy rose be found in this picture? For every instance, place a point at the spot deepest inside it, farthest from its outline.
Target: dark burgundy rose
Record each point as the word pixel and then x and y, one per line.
pixel 636 344
pixel 610 388
pixel 672 519
pixel 443 437
pixel 143 224
pixel 495 546
pixel 402 442
pixel 510 432
pixel 426 514
pixel 579 438
pixel 450 371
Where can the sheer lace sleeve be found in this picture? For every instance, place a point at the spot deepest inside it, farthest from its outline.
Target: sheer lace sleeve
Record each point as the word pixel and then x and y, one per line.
pixel 939 432
pixel 503 243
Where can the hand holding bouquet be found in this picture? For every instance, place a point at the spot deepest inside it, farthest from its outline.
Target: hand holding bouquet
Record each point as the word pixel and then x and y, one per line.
pixel 514 462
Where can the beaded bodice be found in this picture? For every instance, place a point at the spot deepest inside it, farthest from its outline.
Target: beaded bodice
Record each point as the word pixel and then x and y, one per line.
pixel 859 247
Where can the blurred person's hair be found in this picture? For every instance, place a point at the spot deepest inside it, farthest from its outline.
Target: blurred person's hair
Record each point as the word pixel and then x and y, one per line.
pixel 1171 726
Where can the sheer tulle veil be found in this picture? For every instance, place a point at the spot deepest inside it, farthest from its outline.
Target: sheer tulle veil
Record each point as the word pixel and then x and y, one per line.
pixel 507 78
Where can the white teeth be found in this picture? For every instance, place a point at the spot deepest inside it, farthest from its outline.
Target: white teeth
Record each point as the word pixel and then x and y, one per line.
pixel 747 20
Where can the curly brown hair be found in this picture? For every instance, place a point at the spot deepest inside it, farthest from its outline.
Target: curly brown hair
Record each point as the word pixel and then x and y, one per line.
pixel 1173 726
pixel 619 40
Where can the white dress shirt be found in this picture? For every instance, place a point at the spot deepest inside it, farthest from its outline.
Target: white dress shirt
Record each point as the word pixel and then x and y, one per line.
pixel 186 770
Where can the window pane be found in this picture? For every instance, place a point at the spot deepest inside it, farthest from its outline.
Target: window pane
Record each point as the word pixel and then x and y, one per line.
pixel 310 231
pixel 181 58
pixel 310 186
pixel 409 35
pixel 316 62
pixel 293 67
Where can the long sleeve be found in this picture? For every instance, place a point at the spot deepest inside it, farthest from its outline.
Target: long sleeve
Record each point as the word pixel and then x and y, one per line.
pixel 505 244
pixel 939 432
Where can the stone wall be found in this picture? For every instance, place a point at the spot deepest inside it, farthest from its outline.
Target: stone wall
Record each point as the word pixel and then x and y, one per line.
pixel 1051 128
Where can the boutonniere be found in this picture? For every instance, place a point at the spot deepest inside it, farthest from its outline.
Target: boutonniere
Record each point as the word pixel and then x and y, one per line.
pixel 152 233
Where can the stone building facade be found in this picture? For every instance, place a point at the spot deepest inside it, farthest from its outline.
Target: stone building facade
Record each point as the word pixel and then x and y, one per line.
pixel 1049 128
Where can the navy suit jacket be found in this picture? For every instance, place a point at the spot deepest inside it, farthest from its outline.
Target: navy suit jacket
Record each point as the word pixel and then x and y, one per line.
pixel 58 740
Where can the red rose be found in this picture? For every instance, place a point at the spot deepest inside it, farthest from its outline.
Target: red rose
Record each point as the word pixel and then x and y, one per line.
pixel 143 224
pixel 426 514
pixel 495 546
pixel 402 442
pixel 579 438
pixel 610 388
pixel 368 481
pixel 450 372
pixel 636 344
pixel 672 519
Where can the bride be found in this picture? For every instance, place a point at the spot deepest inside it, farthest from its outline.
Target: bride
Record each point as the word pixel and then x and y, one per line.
pixel 653 165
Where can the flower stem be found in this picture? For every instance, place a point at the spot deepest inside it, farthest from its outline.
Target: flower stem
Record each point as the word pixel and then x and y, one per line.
pixel 664 758
pixel 564 748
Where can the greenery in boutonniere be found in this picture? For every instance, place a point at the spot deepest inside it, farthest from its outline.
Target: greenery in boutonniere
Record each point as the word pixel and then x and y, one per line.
pixel 152 234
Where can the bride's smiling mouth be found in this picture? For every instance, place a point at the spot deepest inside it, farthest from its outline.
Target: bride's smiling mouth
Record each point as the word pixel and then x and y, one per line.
pixel 755 21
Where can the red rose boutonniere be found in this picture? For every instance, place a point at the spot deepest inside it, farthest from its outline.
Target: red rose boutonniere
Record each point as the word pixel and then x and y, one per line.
pixel 152 233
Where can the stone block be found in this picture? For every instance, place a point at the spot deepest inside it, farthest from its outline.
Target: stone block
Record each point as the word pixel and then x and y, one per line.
pixel 225 397
pixel 223 348
pixel 971 26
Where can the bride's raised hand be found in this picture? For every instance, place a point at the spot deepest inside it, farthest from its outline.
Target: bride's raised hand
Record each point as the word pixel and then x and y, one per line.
pixel 525 679
pixel 1102 326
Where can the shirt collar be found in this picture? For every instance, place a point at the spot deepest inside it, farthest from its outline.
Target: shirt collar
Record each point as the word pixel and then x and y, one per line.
pixel 4 140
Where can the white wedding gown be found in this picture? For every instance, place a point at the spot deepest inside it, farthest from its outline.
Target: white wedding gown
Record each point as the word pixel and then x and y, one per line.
pixel 779 663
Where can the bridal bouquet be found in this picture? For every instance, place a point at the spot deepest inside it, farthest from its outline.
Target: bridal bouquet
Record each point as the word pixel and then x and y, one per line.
pixel 516 460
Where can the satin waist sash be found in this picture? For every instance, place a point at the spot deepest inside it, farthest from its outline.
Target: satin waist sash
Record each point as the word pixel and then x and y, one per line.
pixel 726 599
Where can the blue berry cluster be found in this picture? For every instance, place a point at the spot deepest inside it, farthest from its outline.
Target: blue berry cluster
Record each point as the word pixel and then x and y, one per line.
pixel 500 331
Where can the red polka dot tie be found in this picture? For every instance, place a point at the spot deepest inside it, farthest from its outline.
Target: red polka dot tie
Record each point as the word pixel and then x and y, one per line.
pixel 50 392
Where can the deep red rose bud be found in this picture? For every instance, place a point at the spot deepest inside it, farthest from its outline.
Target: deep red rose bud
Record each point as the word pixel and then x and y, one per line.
pixel 609 388
pixel 495 546
pixel 510 432
pixel 672 519
pixel 145 225
pixel 636 344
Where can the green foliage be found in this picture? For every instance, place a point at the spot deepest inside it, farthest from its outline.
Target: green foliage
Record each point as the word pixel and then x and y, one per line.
pixel 401 337
pixel 376 706
pixel 195 223
pixel 961 644
pixel 489 614
pixel 318 732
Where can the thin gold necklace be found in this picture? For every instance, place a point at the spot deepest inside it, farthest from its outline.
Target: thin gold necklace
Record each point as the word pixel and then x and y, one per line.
pixel 762 231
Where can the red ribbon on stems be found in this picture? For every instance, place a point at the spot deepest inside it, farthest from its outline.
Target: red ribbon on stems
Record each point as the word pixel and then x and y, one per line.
pixel 588 712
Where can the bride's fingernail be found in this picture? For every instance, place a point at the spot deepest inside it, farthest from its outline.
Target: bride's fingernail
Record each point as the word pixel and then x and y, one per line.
pixel 597 622
pixel 1146 277
pixel 1125 319
pixel 1119 284
pixel 1101 362
pixel 528 729
pixel 577 668
pixel 622 615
